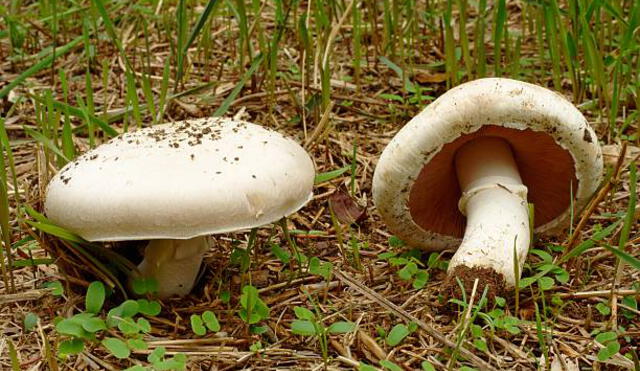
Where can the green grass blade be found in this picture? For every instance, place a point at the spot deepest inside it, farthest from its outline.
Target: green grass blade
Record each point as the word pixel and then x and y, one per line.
pixel 181 19
pixel 236 90
pixel 56 231
pixel 630 217
pixel 635 263
pixel 204 16
pixel 5 228
pixel 586 245
pixel 329 175
pixel 45 63
pixel 500 22
pixel 77 112
pixel 108 24
pixel 45 142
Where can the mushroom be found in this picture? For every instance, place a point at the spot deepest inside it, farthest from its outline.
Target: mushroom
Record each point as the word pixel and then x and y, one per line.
pixel 462 172
pixel 175 184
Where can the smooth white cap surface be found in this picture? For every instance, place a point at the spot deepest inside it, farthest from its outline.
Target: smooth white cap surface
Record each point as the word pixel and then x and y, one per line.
pixel 415 188
pixel 181 180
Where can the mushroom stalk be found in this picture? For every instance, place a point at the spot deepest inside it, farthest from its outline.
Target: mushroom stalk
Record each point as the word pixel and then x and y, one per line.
pixel 494 201
pixel 174 264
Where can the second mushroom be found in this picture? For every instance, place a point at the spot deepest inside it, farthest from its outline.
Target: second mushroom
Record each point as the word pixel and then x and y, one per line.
pixel 462 173
pixel 176 184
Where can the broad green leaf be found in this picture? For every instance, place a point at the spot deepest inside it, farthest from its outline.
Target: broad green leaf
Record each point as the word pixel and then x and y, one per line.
pixel 527 281
pixel 397 334
pixel 71 327
pixel 170 364
pixel 408 271
pixel 396 242
pixel 280 253
pixel 249 297
pixel 30 321
pixel 341 327
pixel 609 351
pixel 197 325
pixel 562 275
pixel 605 337
pixel 113 316
pixel 303 327
pixel 546 283
pixel 304 313
pixel 149 308
pixel 365 367
pixel 254 309
pixel 137 368
pixel 258 330
pixel 95 297
pixel 421 278
pixel 476 330
pixel 255 346
pixel 320 268
pixel 427 366
pixel 137 344
pixel 116 347
pixel 128 326
pixel 545 256
pixel 143 325
pixel 603 309
pixel 250 318
pixel 129 308
pixel 156 355
pixel 94 324
pixel 480 345
pixel 211 321
pixel 143 285
pixel 69 347
pixel 390 365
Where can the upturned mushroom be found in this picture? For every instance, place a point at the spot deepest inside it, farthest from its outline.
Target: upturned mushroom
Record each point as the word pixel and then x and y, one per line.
pixel 175 184
pixel 462 172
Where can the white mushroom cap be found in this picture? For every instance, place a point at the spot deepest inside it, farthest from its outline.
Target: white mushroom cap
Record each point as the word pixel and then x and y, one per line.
pixel 415 187
pixel 181 180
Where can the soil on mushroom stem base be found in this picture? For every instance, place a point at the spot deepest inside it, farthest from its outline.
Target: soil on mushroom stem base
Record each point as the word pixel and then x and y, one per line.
pixel 486 277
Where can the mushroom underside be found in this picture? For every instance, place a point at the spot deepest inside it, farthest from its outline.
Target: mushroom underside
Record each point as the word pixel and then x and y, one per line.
pixel 546 169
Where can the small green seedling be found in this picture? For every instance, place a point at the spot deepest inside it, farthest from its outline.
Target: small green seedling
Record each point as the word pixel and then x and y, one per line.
pixel 388 365
pixel 30 321
pixel 399 332
pixel 310 324
pixel 320 268
pixel 409 264
pixel 253 309
pixel 208 319
pixel 611 345
pixel 159 362
pixel 90 327
pixel 545 269
pixel 56 286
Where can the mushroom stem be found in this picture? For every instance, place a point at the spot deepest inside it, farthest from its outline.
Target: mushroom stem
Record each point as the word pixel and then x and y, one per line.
pixel 174 264
pixel 494 201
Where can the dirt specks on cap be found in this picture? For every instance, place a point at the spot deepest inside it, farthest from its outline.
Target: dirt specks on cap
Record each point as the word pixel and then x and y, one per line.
pixel 587 136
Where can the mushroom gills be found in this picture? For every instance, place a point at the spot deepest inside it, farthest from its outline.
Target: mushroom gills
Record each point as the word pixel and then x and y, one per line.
pixel 174 264
pixel 494 200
